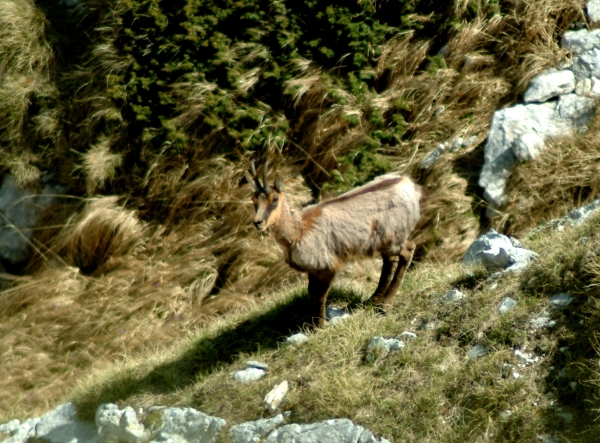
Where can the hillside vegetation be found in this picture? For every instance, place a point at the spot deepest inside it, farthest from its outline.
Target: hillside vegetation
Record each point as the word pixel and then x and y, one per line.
pixel 149 111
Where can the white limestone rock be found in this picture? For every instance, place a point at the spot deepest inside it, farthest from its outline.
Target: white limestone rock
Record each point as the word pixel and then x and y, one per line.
pixel 543 321
pixel 484 242
pixel 528 146
pixel 593 10
pixel 330 431
pixel 335 315
pixel 551 83
pixel 23 432
pixel 477 352
pixel 186 425
pixel 561 300
pixel 255 431
pixel 115 424
pixel 577 216
pixel 248 375
pixel 409 335
pixel 496 251
pixel 527 359
pixel 58 426
pixel 581 40
pixel 452 296
pixel 434 156
pixel 274 398
pixel 297 339
pixel 571 113
pixel 380 347
pixel 10 426
pixel 506 305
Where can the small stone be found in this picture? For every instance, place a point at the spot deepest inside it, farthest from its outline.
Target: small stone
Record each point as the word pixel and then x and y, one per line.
pixel 486 241
pixel 516 375
pixel 452 296
pixel 470 141
pixel 477 351
pixel 439 110
pixel 506 305
pixel 561 300
pixel 335 316
pixel 297 339
pixel 564 349
pixel 573 385
pixel 456 144
pixel 257 365
pixel 542 322
pixel 408 335
pixel 504 415
pixel 274 398
pixel 567 417
pixel 524 357
pixel 248 375
pixel 379 346
pixel 430 160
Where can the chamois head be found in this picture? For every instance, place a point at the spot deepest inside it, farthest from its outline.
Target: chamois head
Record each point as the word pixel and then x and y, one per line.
pixel 267 200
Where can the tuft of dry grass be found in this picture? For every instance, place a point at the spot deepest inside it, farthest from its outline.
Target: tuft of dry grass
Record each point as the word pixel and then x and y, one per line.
pixel 99 165
pixel 565 176
pixel 100 235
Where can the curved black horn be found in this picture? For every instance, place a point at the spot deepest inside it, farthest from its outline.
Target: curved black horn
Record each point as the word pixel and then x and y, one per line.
pixel 267 188
pixel 255 176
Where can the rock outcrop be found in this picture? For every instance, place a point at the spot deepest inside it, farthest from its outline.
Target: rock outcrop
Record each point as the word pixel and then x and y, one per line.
pixel 175 425
pixel 558 102
pixel 498 252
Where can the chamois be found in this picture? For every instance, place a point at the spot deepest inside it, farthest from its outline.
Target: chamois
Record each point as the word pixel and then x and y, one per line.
pixel 376 217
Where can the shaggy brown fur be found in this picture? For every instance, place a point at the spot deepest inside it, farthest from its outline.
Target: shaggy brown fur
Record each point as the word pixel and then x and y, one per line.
pixel 376 217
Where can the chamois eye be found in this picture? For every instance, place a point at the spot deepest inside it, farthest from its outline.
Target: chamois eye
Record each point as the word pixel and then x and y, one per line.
pixel 275 200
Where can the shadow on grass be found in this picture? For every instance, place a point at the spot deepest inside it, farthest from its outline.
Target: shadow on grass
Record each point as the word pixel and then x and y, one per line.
pixel 212 352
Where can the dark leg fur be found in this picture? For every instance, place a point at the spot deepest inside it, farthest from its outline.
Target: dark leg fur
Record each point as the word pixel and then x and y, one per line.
pixel 318 287
pixel 387 272
pixel 404 262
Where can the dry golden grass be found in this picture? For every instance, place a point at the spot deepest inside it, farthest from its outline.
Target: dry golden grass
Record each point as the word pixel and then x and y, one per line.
pixel 565 176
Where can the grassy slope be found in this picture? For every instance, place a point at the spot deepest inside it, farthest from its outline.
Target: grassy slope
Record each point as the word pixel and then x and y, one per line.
pixel 430 391
pixel 117 110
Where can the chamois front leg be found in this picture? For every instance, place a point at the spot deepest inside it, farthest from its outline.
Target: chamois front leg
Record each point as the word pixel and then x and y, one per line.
pixel 318 286
pixel 387 272
pixel 404 261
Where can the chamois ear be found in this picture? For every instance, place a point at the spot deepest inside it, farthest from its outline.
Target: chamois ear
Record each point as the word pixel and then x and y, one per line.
pixel 251 181
pixel 278 184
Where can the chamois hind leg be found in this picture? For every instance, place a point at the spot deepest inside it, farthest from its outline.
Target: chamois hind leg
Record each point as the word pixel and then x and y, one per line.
pixel 405 259
pixel 387 272
pixel 318 287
